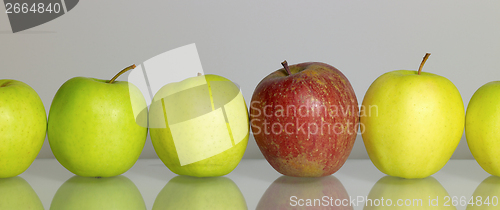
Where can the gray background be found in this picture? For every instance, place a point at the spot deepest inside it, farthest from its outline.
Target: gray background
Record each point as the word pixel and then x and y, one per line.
pixel 246 40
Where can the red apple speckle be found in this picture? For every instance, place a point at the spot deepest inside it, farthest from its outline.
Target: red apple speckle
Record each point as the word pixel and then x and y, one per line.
pixel 305 124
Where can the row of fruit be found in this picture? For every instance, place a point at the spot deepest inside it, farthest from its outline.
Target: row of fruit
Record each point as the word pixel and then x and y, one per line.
pixel 184 192
pixel 411 121
pixel 304 118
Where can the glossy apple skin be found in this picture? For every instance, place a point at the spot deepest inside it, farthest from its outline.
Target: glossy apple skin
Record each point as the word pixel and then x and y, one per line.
pixel 416 125
pixel 189 106
pixel 23 125
pixel 92 129
pixel 482 123
pixel 301 150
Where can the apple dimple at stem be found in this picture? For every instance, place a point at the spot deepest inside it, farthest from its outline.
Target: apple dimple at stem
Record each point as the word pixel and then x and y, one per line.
pixel 423 62
pixel 285 65
pixel 121 72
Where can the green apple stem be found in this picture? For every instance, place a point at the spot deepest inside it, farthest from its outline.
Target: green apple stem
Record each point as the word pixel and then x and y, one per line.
pixel 285 65
pixel 423 62
pixel 121 72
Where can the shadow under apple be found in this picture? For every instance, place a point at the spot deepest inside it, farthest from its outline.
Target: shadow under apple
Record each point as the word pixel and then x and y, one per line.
pixel 397 193
pixel 305 193
pixel 486 194
pixel 17 193
pixel 87 193
pixel 185 192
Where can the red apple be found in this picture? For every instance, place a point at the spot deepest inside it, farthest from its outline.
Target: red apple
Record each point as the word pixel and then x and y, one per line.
pixel 305 193
pixel 305 119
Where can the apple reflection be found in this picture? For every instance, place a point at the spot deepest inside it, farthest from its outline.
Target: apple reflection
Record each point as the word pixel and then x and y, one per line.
pixel 184 192
pixel 16 193
pixel 486 194
pixel 305 193
pixel 398 193
pixel 87 193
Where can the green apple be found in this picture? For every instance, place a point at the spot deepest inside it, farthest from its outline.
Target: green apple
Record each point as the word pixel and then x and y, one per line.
pixel 84 193
pixel 482 127
pixel 411 122
pixel 486 194
pixel 397 193
pixel 184 192
pixel 199 126
pixel 23 124
pixel 92 126
pixel 16 193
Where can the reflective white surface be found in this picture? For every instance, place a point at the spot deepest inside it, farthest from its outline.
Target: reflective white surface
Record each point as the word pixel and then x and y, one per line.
pixel 260 186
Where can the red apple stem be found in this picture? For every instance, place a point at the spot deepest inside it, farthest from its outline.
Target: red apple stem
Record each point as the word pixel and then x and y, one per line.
pixel 285 65
pixel 423 62
pixel 121 72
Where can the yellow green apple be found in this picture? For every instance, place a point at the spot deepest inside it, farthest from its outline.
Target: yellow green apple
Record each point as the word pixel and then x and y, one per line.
pixel 23 125
pixel 411 122
pixel 199 126
pixel 92 127
pixel 486 195
pixel 16 193
pixel 482 127
pixel 397 193
pixel 207 193
pixel 86 193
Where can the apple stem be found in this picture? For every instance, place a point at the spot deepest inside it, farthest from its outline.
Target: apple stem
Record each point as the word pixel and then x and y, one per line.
pixel 121 72
pixel 199 74
pixel 423 62
pixel 285 65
